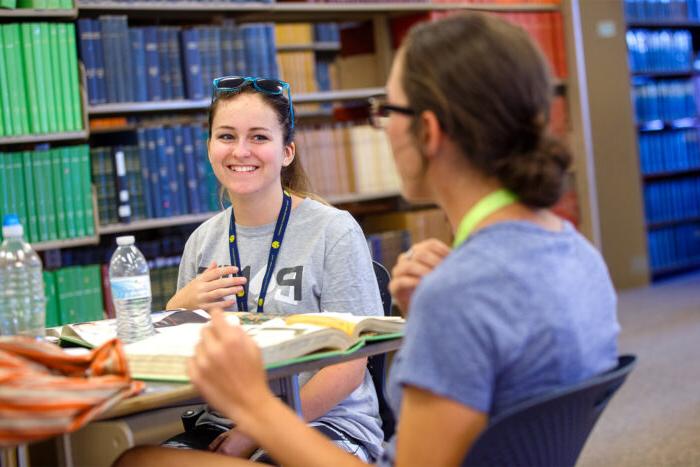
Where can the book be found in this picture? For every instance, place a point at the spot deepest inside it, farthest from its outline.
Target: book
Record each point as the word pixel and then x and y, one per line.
pixel 282 339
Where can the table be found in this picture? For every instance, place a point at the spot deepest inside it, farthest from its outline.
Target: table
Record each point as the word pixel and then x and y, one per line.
pixel 155 415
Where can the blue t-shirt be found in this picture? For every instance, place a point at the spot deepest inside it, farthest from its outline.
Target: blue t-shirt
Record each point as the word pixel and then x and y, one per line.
pixel 514 312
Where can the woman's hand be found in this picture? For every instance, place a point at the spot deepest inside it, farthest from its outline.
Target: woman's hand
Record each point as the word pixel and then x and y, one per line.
pixel 228 371
pixel 233 443
pixel 208 289
pixel 417 262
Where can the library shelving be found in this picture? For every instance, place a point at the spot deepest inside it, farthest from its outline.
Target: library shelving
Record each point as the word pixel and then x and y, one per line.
pixel 40 14
pixel 662 46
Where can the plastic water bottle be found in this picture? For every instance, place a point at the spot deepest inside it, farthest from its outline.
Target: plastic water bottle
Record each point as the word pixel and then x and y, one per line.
pixel 131 291
pixel 22 299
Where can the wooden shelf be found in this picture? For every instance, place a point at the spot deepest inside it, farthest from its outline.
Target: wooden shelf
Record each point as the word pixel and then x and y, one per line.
pixel 673 270
pixel 672 223
pixel 297 11
pixel 670 23
pixel 315 47
pixel 362 197
pixel 154 223
pixel 44 138
pixel 664 74
pixel 34 14
pixel 671 174
pixel 68 243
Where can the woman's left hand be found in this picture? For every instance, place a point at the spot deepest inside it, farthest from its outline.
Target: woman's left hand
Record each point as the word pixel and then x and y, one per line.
pixel 228 371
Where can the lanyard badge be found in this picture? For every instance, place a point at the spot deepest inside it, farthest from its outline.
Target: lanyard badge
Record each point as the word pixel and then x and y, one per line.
pixel 482 209
pixel 277 236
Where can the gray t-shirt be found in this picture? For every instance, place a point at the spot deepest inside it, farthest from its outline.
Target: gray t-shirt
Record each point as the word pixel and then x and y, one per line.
pixel 514 312
pixel 323 265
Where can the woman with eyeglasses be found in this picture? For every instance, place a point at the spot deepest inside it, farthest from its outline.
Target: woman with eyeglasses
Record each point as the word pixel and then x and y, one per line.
pixel 277 250
pixel 519 306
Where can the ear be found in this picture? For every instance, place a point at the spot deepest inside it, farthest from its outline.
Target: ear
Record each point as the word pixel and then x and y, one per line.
pixel 431 137
pixel 290 151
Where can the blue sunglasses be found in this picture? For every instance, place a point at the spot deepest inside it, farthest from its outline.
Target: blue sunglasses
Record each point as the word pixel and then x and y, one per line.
pixel 273 87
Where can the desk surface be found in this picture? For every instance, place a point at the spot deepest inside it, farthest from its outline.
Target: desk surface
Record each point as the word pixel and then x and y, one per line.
pixel 159 395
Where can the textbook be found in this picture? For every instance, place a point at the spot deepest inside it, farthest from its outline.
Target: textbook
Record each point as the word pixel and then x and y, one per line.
pixel 92 334
pixel 282 339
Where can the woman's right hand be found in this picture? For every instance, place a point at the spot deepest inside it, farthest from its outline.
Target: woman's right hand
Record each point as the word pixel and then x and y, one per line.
pixel 410 268
pixel 208 289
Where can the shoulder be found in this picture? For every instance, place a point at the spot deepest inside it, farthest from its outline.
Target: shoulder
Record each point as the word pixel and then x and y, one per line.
pixel 333 222
pixel 214 225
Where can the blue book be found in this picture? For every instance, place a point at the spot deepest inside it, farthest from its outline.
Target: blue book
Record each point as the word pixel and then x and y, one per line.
pixel 154 166
pixel 164 62
pixel 248 34
pixel 271 50
pixel 170 180
pixel 240 52
pixel 180 176
pixel 147 189
pixel 126 86
pixel 101 85
pixel 215 48
pixel 109 55
pixel 120 178
pixel 192 64
pixel 228 49
pixel 138 60
pixel 153 84
pixel 174 63
pixel 191 177
pixel 202 166
pixel 87 55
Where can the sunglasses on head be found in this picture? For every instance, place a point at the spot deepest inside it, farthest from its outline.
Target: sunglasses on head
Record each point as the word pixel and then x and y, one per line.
pixel 273 87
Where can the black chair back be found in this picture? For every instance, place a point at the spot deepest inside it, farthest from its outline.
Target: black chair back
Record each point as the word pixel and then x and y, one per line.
pixel 377 363
pixel 551 429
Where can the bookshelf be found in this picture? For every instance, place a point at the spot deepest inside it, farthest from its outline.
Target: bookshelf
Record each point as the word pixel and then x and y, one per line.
pixel 154 223
pixel 665 96
pixel 44 15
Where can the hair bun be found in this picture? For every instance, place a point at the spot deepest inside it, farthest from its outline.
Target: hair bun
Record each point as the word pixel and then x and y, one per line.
pixel 537 176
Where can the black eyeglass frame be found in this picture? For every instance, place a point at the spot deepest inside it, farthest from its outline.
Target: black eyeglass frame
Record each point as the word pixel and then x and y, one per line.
pixel 278 89
pixel 378 109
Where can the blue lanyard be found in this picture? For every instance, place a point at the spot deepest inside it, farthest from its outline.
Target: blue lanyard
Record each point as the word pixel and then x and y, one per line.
pixel 277 236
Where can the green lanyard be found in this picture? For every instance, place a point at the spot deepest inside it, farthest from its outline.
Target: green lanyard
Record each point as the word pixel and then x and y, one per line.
pixel 481 210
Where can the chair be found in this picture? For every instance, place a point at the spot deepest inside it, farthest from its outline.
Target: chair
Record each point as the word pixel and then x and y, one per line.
pixel 549 430
pixel 377 363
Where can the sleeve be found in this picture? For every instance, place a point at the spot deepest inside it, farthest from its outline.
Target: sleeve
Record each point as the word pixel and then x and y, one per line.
pixel 456 341
pixel 188 262
pixel 349 284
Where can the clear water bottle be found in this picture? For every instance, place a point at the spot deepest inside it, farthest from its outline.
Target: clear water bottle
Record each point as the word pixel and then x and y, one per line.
pixel 131 291
pixel 22 299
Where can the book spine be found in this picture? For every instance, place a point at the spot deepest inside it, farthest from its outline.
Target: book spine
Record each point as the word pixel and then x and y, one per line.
pixel 30 77
pixel 20 203
pixel 57 193
pixel 87 55
pixel 123 204
pixel 65 76
pixel 190 171
pixel 164 63
pixel 138 57
pixel 145 172
pixel 83 155
pixel 32 206
pixel 56 86
pixel 175 63
pixel 7 126
pixel 47 177
pixel 180 176
pixel 155 92
pixel 193 64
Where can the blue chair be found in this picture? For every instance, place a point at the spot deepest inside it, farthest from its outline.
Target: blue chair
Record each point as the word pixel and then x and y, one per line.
pixel 549 430
pixel 376 364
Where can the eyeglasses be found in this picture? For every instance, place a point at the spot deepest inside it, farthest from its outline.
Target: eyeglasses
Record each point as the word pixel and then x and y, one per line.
pixel 273 87
pixel 379 111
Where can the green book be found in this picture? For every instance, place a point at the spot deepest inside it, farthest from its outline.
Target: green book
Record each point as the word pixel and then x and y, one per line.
pixel 56 86
pixel 77 187
pixel 47 177
pixel 40 76
pixel 11 36
pixel 38 168
pixel 86 192
pixel 6 123
pixel 53 317
pixel 74 81
pixel 4 186
pixel 94 275
pixel 68 199
pixel 57 192
pixel 45 77
pixel 9 4
pixel 30 77
pixel 19 198
pixel 66 303
pixel 32 231
pixel 65 76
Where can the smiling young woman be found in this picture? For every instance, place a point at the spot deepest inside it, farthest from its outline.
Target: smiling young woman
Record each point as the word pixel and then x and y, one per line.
pixel 279 251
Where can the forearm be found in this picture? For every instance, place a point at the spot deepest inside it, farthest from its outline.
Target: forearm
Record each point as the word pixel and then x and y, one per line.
pixel 329 387
pixel 290 441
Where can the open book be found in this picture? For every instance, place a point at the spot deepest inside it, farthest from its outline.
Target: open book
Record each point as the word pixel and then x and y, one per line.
pixel 164 355
pixel 92 334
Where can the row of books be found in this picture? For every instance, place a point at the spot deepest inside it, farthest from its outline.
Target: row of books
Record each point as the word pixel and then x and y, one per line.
pixel 664 100
pixel 672 200
pixel 674 247
pixel 167 174
pixel 166 2
pixel 73 295
pixel 169 62
pixel 37 4
pixel 50 192
pixel 164 273
pixel 660 51
pixel 640 10
pixel 39 86
pixel 669 151
pixel 385 247
pixel 343 158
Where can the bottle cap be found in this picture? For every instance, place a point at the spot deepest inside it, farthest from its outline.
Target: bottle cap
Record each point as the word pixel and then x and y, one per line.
pixel 126 240
pixel 11 226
